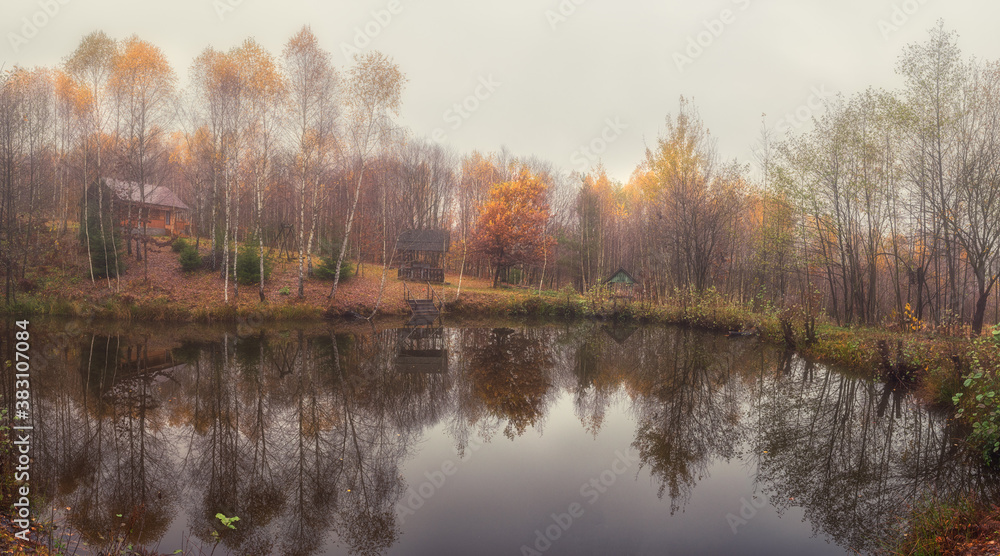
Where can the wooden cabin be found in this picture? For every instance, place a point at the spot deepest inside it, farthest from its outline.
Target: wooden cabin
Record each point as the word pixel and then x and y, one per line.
pixel 422 254
pixel 621 284
pixel 164 214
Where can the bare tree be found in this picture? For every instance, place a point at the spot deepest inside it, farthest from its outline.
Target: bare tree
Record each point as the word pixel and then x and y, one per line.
pixel 374 87
pixel 934 75
pixel 697 201
pixel 91 65
pixel 977 184
pixel 142 83
pixel 312 83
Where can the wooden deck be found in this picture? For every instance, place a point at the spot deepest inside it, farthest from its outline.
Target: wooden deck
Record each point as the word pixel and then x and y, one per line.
pixel 421 274
pixel 423 307
pixel 432 361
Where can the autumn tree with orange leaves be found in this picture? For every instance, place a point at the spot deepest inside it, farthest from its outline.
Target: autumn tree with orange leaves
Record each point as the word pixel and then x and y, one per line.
pixel 264 93
pixel 478 172
pixel 697 201
pixel 510 228
pixel 142 84
pixel 886 206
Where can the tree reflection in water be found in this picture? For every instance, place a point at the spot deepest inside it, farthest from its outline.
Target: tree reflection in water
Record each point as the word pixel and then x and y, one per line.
pixel 101 446
pixel 303 434
pixel 854 453
pixel 683 395
pixel 508 372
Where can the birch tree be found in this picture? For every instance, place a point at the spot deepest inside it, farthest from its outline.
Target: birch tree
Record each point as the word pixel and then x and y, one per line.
pixel 91 65
pixel 143 82
pixel 264 88
pixel 312 83
pixel 374 87
pixel 219 90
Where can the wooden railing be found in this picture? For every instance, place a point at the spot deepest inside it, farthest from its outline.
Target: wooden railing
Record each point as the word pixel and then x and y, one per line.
pixel 432 296
pixel 435 275
pixel 406 293
pixel 437 301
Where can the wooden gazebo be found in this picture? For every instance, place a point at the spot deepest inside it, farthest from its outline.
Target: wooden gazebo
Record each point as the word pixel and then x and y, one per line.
pixel 421 350
pixel 621 284
pixel 620 333
pixel 422 254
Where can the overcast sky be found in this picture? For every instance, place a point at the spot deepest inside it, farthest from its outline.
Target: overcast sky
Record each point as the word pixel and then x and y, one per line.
pixel 552 77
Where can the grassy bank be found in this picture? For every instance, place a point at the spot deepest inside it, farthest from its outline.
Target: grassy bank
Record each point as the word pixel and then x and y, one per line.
pixel 948 370
pixel 945 369
pixel 958 526
pixel 951 370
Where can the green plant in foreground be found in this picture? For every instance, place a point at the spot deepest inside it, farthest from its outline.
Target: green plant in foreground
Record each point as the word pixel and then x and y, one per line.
pixel 979 405
pixel 284 290
pixel 227 521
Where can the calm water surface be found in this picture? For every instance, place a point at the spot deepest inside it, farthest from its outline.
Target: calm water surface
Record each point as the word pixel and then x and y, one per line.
pixel 581 439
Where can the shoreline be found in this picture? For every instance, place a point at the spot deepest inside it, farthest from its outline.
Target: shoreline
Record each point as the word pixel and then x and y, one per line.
pixel 852 349
pixel 922 354
pixel 930 363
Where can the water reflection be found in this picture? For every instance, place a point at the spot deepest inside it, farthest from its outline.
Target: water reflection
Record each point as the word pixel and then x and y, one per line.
pixel 304 434
pixel 508 371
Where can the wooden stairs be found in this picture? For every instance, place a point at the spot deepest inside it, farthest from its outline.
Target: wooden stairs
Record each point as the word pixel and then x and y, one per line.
pixel 423 307
pixel 421 350
pixel 424 311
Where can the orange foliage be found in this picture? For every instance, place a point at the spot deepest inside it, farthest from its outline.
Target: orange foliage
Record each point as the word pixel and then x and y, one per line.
pixel 510 229
pixel 141 71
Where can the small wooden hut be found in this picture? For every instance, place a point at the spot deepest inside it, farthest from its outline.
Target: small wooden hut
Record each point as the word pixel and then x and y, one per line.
pixel 621 284
pixel 158 212
pixel 422 255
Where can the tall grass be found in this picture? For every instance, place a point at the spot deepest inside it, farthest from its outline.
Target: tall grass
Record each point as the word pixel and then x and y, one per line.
pixel 936 526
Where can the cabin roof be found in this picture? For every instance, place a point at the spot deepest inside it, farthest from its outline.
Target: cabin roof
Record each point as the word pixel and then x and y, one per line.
pixel 435 241
pixel 620 334
pixel 156 195
pixel 621 277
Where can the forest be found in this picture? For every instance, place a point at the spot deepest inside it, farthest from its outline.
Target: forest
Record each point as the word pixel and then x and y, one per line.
pixel 885 211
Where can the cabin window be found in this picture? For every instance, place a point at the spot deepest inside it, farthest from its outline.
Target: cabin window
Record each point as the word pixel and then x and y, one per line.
pixel 166 217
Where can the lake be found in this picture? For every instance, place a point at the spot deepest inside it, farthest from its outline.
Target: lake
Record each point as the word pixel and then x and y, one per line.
pixel 495 438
